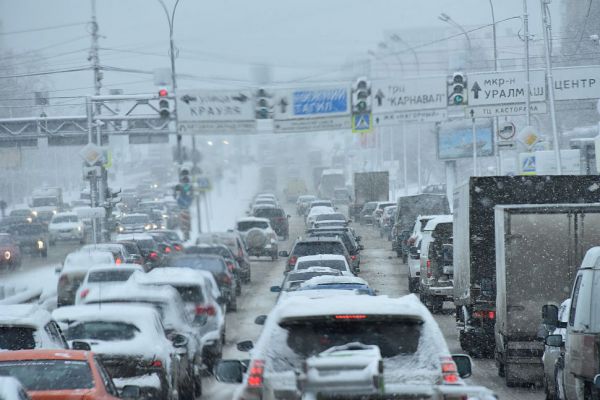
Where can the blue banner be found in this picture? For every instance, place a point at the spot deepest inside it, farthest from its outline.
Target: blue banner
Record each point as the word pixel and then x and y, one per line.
pixel 320 102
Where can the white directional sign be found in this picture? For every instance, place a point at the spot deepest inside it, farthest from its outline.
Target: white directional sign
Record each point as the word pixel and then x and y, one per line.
pixel 504 110
pixel 493 88
pixel 312 109
pixel 409 95
pixel 200 111
pixel 393 119
pixel 577 83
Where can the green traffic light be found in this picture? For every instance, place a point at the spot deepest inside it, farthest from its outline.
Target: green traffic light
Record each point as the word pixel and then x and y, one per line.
pixel 458 99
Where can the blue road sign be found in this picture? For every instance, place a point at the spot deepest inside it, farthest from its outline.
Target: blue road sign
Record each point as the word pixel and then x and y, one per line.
pixel 362 123
pixel 203 183
pixel 320 101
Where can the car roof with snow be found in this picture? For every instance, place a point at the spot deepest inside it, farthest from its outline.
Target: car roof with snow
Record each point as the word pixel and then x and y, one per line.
pixel 24 315
pixel 136 215
pixel 65 214
pixel 85 259
pixel 329 279
pixel 591 259
pixel 321 257
pixel 252 219
pixel 133 236
pixel 113 267
pixel 173 276
pixel 137 314
pixel 438 219
pixel 131 291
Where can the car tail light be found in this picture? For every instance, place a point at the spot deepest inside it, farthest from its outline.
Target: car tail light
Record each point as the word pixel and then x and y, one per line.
pixel 485 314
pixel 353 258
pixel 84 293
pixel 64 280
pixel 351 316
pixel 153 255
pixel 226 279
pixel 167 249
pixel 255 374
pixel 428 268
pixel 178 247
pixel 292 261
pixel 205 310
pixel 449 371
pixel 118 261
pixel 410 242
pixel 156 363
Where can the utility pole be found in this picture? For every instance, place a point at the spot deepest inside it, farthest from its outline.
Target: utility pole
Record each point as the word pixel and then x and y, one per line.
pixel 550 80
pixel 527 78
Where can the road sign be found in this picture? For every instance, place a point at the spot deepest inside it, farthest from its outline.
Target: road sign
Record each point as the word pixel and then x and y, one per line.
pixel 203 184
pixel 362 123
pixel 393 119
pixel 494 88
pixel 577 83
pixel 312 109
pixel 91 154
pixel 506 145
pixel 200 111
pixel 504 110
pixel 527 163
pixel 409 95
pixel 506 130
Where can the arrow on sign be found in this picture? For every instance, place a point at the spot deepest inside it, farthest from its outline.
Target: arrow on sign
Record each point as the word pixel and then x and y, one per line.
pixel 379 96
pixel 472 112
pixel 476 89
pixel 283 104
pixel 187 99
pixel 241 98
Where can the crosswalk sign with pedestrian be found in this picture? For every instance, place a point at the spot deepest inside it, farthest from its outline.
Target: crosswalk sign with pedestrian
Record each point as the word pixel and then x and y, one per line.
pixel 362 123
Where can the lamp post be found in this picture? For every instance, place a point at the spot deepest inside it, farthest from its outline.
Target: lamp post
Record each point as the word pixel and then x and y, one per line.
pixel 384 46
pixel 446 18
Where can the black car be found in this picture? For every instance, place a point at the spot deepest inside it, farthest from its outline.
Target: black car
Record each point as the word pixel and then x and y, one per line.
pixel 234 241
pixel 215 265
pixel 228 256
pixel 31 237
pixel 313 246
pixel 278 219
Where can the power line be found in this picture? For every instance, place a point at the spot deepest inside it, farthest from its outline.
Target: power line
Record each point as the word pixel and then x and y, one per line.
pixel 45 72
pixel 47 28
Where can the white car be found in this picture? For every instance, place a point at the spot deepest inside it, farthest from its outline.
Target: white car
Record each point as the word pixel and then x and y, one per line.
pixel 11 389
pixel 315 211
pixel 28 327
pixel 105 275
pixel 301 327
pixel 334 261
pixel 259 236
pixel 414 266
pixel 129 340
pixel 66 226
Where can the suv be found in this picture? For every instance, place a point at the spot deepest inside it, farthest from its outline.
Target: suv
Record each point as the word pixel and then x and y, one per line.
pixel 260 238
pixel 66 226
pixel 366 214
pixel 303 203
pixel 31 237
pixel 350 243
pixel 312 246
pixel 436 285
pixel 378 211
pixel 234 241
pixel 414 253
pixel 73 272
pixel 223 251
pixel 27 327
pixel 304 337
pixel 278 219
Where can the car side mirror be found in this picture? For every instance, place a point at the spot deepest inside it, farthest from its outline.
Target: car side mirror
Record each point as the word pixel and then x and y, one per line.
pixel 275 289
pixel 58 269
pixel 80 345
pixel 361 247
pixel 358 238
pixel 349 221
pixel 260 320
pixel 221 300
pixel 554 340
pixel 229 371
pixel 550 314
pixel 179 341
pixel 130 392
pixel 246 345
pixel 284 253
pixel 597 381
pixel 464 365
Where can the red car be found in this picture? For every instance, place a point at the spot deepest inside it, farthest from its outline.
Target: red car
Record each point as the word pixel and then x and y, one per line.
pixel 10 253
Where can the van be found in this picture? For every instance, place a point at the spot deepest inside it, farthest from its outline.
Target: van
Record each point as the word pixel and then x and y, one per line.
pixel 436 269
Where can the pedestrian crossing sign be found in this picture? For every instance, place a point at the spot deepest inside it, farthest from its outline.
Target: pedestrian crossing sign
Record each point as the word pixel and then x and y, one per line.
pixel 362 123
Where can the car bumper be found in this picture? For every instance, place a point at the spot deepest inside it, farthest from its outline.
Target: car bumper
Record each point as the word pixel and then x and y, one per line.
pixel 66 235
pixel 439 291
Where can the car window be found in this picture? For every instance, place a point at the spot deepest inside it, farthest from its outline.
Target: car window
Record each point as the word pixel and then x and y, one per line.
pixel 106 379
pixel 49 374
pixel 55 334
pixel 573 309
pixel 314 248
pixel 191 294
pixel 135 219
pixel 102 330
pixel 115 275
pixel 335 264
pixel 244 226
pixel 269 212
pixel 17 338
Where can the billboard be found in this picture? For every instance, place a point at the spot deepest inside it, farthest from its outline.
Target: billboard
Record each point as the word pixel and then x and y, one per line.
pixel 456 141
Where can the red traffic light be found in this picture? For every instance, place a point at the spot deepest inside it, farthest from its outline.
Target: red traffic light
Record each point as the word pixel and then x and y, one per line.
pixel 163 93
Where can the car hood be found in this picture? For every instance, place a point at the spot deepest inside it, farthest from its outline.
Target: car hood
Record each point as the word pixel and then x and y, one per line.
pixel 63 225
pixel 145 348
pixel 77 394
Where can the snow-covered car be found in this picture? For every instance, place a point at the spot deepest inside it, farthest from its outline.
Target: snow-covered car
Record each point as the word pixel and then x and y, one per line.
pixel 552 354
pixel 66 226
pixel 131 343
pixel 378 212
pixel 334 218
pixel 311 217
pixel 135 223
pixel 101 276
pixel 260 238
pixel 27 327
pixel 327 282
pixel 334 261
pixel 414 267
pixel 10 253
pixel 196 290
pixel 294 279
pixel 221 250
pixel 387 222
pixel 299 328
pixel 73 271
pixel 303 202
pixel 176 320
pixel 118 251
pixel 11 389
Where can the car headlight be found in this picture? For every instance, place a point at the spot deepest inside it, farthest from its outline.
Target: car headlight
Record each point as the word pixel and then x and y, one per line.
pixel 79 228
pixel 7 255
pixel 148 227
pixel 121 229
pixel 54 212
pixel 34 213
pixel 40 244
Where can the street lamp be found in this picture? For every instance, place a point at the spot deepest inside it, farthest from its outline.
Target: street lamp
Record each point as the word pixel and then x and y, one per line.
pixel 380 58
pixel 384 46
pixel 446 18
pixel 398 39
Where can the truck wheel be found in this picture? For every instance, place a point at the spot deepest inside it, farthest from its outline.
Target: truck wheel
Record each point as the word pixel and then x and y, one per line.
pixel 398 253
pixel 437 304
pixel 501 372
pixel 404 258
pixel 412 288
pixel 508 378
pixel 465 344
pixel 232 304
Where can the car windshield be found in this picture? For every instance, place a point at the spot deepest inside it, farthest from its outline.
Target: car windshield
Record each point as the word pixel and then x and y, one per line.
pixel 135 219
pixel 44 202
pixel 216 250
pixel 29 229
pixel 335 264
pixel 190 293
pixel 17 338
pixel 314 248
pixel 269 212
pixel 101 330
pixel 112 275
pixel 313 336
pixel 213 265
pixel 293 280
pixel 331 217
pixel 64 218
pixel 244 226
pixel 47 375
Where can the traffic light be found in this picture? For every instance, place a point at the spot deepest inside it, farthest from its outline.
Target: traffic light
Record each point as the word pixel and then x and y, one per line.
pixel 184 175
pixel 361 96
pixel 457 89
pixel 163 104
pixel 264 105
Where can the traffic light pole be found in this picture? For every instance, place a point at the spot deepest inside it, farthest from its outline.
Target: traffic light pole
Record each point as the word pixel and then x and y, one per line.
pixel 197 193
